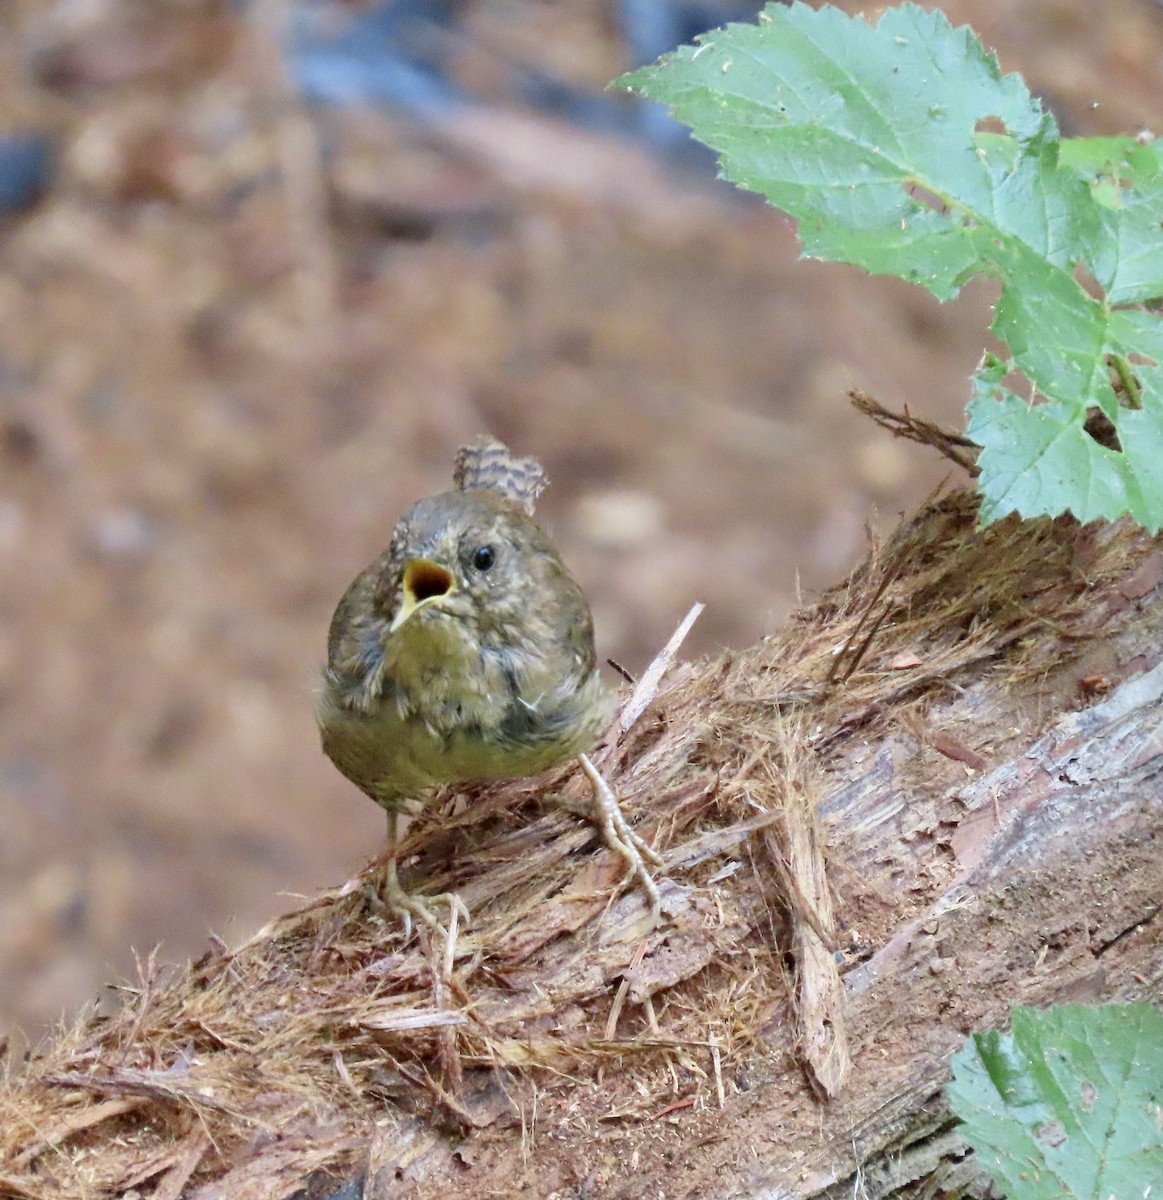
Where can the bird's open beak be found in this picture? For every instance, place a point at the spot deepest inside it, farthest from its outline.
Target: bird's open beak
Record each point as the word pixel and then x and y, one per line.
pixel 424 582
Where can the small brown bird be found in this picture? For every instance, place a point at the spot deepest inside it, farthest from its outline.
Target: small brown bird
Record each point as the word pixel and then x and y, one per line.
pixel 465 652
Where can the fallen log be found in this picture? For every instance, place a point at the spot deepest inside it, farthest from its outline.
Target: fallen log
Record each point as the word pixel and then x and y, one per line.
pixel 934 795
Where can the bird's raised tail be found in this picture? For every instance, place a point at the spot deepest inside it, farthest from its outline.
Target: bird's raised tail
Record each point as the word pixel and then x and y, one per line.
pixel 486 464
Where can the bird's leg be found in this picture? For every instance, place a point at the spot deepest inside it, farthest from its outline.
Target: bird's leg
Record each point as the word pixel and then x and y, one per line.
pixel 607 815
pixel 405 905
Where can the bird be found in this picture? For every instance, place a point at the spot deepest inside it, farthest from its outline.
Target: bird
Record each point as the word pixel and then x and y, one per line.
pixel 465 653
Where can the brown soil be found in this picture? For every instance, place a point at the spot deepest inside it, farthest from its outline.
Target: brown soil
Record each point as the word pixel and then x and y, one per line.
pixel 220 383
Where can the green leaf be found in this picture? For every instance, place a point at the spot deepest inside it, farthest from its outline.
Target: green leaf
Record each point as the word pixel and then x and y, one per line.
pixel 1042 459
pixel 1069 1105
pixel 901 148
pixel 1125 178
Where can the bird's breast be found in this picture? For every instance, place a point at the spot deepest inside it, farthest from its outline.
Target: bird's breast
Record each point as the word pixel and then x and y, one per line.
pixel 495 718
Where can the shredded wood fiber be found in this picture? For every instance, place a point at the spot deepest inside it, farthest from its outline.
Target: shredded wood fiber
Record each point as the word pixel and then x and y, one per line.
pixel 324 1043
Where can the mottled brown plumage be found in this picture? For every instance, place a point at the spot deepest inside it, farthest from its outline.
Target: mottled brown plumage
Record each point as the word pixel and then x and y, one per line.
pixel 464 652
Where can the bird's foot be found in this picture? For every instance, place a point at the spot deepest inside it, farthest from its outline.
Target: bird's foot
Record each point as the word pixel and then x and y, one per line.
pixel 607 815
pixel 393 899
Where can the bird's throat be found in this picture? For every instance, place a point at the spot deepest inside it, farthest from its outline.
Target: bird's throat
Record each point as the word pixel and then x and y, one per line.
pixel 428 646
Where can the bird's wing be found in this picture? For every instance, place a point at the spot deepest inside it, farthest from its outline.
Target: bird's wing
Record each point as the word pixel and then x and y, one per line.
pixel 486 464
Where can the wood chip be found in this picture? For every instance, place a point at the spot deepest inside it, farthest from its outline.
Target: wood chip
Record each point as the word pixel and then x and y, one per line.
pixel 74 1122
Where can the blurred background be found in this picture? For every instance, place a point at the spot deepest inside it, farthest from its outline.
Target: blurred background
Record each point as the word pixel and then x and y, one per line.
pixel 263 266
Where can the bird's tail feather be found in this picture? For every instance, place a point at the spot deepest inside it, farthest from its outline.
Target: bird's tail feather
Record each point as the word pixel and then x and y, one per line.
pixel 486 464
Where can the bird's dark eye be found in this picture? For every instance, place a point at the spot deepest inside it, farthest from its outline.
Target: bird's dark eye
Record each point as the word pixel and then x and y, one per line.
pixel 484 557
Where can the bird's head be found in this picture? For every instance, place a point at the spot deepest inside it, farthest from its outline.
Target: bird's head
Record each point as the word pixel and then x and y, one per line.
pixel 468 564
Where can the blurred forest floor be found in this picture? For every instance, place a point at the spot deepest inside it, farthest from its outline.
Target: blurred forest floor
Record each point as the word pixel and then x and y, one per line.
pixel 237 337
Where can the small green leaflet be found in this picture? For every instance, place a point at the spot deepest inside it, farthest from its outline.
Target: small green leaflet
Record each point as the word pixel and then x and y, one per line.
pixel 1069 1105
pixel 901 148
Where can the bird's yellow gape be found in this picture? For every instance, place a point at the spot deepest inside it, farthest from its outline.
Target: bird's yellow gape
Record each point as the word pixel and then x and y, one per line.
pixel 424 581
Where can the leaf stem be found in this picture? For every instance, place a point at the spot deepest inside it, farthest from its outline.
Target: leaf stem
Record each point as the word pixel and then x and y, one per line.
pixel 1130 384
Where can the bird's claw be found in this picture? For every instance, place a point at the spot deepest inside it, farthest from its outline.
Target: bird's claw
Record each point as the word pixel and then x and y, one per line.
pixel 392 898
pixel 643 846
pixel 622 839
